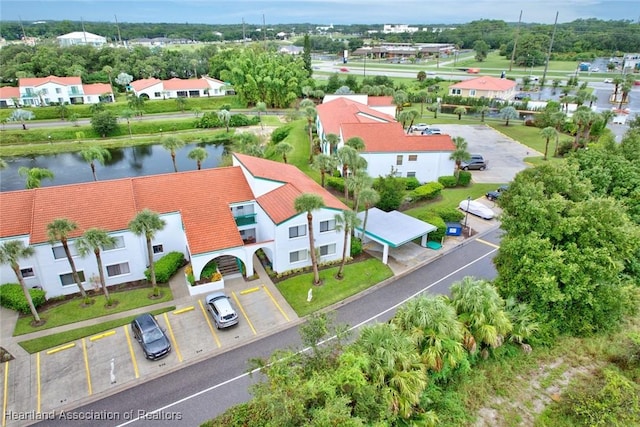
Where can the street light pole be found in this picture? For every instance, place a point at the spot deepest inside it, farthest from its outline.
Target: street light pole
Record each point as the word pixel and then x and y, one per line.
pixel 466 216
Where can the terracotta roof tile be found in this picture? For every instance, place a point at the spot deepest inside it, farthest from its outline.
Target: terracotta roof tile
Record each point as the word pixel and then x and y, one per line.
pixel 333 113
pixel 142 84
pixel 188 84
pixel 97 89
pixel 380 101
pixel 485 83
pixel 15 212
pixel 38 81
pixel 9 92
pixel 390 137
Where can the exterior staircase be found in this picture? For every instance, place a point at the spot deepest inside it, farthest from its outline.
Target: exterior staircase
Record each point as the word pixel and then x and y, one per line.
pixel 228 267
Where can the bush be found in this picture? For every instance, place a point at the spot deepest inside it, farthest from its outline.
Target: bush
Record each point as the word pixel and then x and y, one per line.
pixel 428 191
pixel 391 189
pixel 433 219
pixel 449 214
pixel 411 183
pixel 166 267
pixel 238 120
pixel 356 246
pixel 209 270
pixel 279 134
pixel 12 296
pixel 336 183
pixel 464 178
pixel 448 181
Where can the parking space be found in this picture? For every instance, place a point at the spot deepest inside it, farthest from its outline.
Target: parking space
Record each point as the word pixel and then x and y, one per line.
pixel 63 376
pixel 504 156
pixel 261 308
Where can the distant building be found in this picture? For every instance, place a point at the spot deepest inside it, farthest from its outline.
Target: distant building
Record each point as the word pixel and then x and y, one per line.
pixel 42 91
pixel 81 38
pixel 484 87
pixel 398 28
pixel 178 88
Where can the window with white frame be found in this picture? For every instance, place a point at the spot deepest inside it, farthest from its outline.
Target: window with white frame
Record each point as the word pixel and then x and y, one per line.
pixel 298 256
pixel 118 243
pixel 399 160
pixel 411 174
pixel 158 249
pixel 472 92
pixel 58 251
pixel 413 157
pixel 328 249
pixel 27 272
pixel 297 231
pixel 118 269
pixel 455 92
pixel 67 279
pixel 58 90
pixel 328 225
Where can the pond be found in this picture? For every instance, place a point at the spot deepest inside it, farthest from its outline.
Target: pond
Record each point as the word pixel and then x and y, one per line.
pixel 71 168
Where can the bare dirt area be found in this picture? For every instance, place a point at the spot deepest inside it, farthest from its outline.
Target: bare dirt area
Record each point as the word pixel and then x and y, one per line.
pixel 536 389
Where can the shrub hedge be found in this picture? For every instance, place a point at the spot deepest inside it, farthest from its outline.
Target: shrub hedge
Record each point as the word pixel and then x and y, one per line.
pixel 433 219
pixel 428 191
pixel 464 178
pixel 448 181
pixel 336 183
pixel 12 296
pixel 356 246
pixel 279 134
pixel 166 266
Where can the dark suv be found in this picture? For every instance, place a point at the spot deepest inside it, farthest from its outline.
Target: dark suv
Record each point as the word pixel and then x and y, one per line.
pixel 476 162
pixel 154 342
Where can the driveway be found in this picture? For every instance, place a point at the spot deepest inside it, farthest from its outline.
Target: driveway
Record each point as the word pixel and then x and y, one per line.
pixel 504 156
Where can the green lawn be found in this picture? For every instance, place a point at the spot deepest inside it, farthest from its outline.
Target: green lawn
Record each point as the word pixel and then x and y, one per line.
pixel 451 197
pixel 39 344
pixel 357 277
pixel 72 311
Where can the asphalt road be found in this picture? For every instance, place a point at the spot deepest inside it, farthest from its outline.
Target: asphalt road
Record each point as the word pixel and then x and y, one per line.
pixel 194 394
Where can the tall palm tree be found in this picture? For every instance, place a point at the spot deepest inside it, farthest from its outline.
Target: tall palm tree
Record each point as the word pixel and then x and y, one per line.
pixel 127 114
pixel 483 110
pixel 508 113
pixel 394 367
pixel 348 157
pixel 109 70
pixel 92 241
pixel 346 222
pixel 405 118
pixel 172 143
pixel 325 164
pixel 625 89
pixel 356 143
pixel 147 223
pixel 225 117
pixel 368 197
pixel 310 113
pixel 10 253
pixel 95 153
pixel 412 116
pixel 58 230
pixel 356 183
pixel 459 111
pixel 308 203
pixel 333 141
pixel 434 326
pixel 283 148
pixel 198 154
pixel 583 117
pixel 547 133
pixel 34 176
pixel 460 153
pixel 558 119
pixel 400 97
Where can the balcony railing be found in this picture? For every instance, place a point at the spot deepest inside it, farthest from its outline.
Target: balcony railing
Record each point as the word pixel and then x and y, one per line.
pixel 245 219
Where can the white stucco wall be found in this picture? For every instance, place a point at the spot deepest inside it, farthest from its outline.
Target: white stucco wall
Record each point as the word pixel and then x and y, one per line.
pixel 428 167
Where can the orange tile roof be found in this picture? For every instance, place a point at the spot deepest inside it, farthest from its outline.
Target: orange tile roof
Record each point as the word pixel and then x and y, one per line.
pixel 342 110
pixel 38 81
pixel 485 83
pixel 97 89
pixel 380 101
pixel 279 204
pixel 142 84
pixel 187 84
pixel 390 137
pixel 15 212
pixel 9 92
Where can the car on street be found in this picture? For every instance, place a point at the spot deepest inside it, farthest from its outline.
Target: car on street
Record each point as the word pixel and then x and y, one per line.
pixel 152 338
pixel 493 195
pixel 476 208
pixel 431 131
pixel 473 70
pixel 344 69
pixel 419 127
pixel 476 162
pixel 608 80
pixel 220 308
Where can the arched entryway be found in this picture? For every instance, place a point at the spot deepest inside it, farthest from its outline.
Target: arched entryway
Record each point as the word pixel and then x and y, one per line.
pixel 228 266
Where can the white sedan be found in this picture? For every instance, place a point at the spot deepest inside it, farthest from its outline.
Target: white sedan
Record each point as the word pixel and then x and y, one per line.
pixel 419 127
pixel 476 208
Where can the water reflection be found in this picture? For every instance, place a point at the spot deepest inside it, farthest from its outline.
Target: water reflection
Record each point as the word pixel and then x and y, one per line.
pixel 70 168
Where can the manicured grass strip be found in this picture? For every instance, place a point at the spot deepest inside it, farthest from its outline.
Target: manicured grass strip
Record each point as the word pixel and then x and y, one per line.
pixel 357 277
pixel 73 311
pixel 451 197
pixel 39 344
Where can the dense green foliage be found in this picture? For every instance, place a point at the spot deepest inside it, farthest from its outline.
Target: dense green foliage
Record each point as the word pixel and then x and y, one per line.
pixel 391 190
pixel 12 296
pixel 166 266
pixel 427 191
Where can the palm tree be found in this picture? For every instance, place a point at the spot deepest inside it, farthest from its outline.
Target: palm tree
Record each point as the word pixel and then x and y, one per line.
pixel 198 154
pixel 10 253
pixel 109 70
pixel 58 230
pixel 310 113
pixel 617 81
pixel 348 157
pixel 325 164
pixel 547 133
pixel 356 183
pixel 93 153
pixel 460 110
pixel 583 117
pixel 356 143
pixel 625 89
pixel 434 108
pixel 346 222
pixel 481 310
pixel 558 119
pixel 399 99
pixel 181 103
pixel 368 197
pixel 127 114
pixel 34 176
pixel 434 326
pixel 333 141
pixel 283 148
pixel 460 153
pixel 483 110
pixel 225 117
pixel 308 203
pixel 147 223
pixel 508 113
pixel 92 241
pixel 261 107
pixel 21 116
pixel 62 110
pixel 408 116
pixel 172 143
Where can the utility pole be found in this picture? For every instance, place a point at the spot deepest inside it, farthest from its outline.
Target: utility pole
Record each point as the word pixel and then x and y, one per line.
pixel 244 37
pixel 515 41
pixel 84 33
pixel 24 35
pixel 546 62
pixel 118 27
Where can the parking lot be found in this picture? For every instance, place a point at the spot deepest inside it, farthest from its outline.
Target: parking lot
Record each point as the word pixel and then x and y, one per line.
pixel 504 156
pixel 105 363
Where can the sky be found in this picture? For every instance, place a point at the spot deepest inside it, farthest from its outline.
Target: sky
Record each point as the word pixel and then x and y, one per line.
pixel 316 11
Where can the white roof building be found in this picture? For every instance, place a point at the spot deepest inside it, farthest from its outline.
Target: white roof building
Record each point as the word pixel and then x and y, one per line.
pixel 81 38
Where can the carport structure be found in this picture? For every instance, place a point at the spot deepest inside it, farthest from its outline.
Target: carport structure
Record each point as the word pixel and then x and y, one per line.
pixel 393 229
